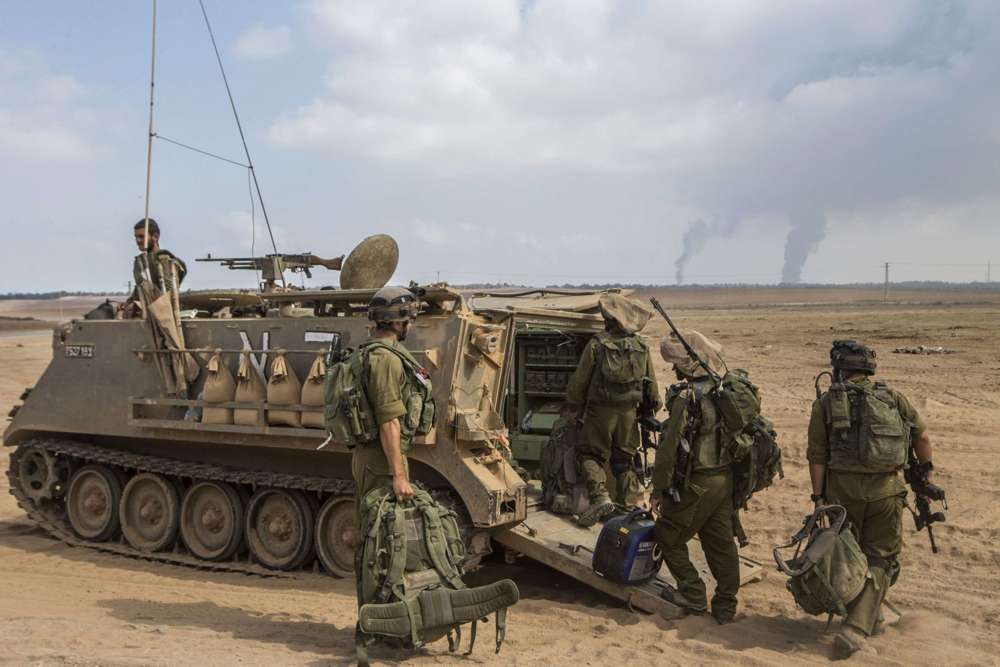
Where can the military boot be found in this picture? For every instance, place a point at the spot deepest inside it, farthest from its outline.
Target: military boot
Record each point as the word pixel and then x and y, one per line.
pixel 848 641
pixel 674 596
pixel 599 510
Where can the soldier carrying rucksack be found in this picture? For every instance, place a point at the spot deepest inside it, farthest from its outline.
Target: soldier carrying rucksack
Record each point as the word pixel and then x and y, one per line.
pixel 715 451
pixel 409 565
pixel 613 378
pixel 860 435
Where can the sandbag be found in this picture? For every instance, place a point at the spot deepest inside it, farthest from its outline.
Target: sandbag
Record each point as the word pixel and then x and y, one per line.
pixel 283 388
pixel 249 389
pixel 312 392
pixel 220 387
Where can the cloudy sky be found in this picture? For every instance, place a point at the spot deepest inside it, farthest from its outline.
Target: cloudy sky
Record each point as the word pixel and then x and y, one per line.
pixel 529 141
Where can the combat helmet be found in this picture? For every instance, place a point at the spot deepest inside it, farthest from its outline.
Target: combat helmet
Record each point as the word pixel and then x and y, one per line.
pixel 627 314
pixel 393 304
pixel 850 355
pixel 710 351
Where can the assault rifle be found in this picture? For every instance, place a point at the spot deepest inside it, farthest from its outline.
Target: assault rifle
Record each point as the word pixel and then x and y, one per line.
pixel 648 424
pixel 916 475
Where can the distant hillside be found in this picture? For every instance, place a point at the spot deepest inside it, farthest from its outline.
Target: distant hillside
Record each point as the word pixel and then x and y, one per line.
pixel 53 295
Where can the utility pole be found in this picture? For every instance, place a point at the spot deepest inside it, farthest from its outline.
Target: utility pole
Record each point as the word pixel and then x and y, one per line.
pixel 988 272
pixel 885 291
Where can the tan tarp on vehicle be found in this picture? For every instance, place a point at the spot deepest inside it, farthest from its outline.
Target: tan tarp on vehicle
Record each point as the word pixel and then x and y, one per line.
pixel 566 300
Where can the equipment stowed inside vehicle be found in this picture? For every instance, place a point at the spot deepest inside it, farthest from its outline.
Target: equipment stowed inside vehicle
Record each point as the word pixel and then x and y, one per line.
pixel 828 569
pixel 626 550
pixel 410 582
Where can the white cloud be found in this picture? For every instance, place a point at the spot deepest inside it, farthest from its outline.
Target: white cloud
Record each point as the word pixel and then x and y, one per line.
pixel 795 113
pixel 261 42
pixel 44 115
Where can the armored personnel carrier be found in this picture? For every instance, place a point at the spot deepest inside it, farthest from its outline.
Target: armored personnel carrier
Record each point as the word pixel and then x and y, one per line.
pixel 114 449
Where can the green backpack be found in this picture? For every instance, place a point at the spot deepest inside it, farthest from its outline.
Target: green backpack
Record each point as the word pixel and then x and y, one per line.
pixel 830 571
pixel 737 400
pixel 622 366
pixel 563 489
pixel 869 434
pixel 410 576
pixel 348 412
pixel 750 438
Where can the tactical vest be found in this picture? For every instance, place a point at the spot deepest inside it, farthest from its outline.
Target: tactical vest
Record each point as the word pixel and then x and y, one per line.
pixel 866 431
pixel 619 369
pixel 348 411
pixel 707 440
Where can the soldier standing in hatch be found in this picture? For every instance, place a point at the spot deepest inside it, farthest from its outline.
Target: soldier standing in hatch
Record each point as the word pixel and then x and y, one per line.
pixel 382 463
pixel 859 435
pixel 613 378
pixel 154 264
pixel 693 492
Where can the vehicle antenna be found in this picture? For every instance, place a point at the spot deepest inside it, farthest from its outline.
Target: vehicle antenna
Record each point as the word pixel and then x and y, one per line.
pixel 149 139
pixel 239 126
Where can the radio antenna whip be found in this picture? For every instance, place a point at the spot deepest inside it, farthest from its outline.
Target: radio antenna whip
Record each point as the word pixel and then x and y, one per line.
pixel 149 139
pixel 239 127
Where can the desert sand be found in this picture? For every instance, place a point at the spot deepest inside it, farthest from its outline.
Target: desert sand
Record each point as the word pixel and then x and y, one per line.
pixel 61 605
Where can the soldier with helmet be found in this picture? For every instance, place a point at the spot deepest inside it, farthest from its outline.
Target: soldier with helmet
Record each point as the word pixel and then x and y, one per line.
pixel 388 387
pixel 613 378
pixel 860 432
pixel 693 483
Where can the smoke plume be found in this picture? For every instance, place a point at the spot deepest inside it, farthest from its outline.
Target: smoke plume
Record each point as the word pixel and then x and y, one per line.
pixel 808 230
pixel 697 235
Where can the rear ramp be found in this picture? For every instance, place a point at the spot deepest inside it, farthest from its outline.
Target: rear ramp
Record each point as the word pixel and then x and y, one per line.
pixel 558 542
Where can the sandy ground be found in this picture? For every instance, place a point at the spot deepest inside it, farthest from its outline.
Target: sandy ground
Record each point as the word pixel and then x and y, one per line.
pixel 61 605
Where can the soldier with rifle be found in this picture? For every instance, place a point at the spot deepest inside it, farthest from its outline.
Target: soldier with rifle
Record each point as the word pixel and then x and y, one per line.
pixel 693 479
pixel 861 434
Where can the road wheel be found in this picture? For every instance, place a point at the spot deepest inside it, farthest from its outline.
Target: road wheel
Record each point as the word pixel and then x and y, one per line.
pixel 212 520
pixel 40 474
pixel 279 528
pixel 92 503
pixel 150 512
pixel 337 536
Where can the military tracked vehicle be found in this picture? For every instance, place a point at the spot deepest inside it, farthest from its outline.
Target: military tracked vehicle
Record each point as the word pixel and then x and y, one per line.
pixel 113 449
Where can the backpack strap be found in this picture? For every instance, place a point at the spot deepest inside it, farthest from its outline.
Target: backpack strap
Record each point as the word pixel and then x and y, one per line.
pixel 397 557
pixel 436 540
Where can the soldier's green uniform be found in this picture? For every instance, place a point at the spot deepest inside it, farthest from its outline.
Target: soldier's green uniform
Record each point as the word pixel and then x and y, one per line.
pixel 706 501
pixel 610 430
pixel 874 500
pixel 388 389
pixel 162 279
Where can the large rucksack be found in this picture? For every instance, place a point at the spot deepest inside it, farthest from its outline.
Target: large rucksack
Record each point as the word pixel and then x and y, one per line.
pixel 750 439
pixel 410 576
pixel 563 488
pixel 348 412
pixel 829 571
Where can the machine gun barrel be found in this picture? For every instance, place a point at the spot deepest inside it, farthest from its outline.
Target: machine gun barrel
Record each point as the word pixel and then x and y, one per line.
pixel 272 267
